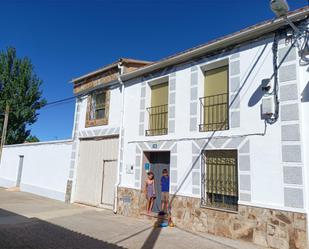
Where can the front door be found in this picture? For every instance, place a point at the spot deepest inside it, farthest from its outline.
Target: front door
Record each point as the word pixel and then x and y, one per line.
pixel 157 170
pixel 158 162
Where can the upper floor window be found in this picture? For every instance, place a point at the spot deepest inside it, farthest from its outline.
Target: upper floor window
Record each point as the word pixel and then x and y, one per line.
pixel 158 111
pixel 98 108
pixel 215 103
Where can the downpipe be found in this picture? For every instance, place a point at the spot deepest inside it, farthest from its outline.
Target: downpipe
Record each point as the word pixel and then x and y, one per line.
pixel 121 71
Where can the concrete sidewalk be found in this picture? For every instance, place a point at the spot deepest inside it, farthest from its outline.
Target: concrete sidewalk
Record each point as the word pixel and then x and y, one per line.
pixel 32 222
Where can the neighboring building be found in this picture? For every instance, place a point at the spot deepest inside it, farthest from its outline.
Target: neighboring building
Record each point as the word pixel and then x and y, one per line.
pixel 96 134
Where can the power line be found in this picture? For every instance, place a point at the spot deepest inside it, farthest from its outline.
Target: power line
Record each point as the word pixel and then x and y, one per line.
pixel 57 104
pixel 53 103
pixel 60 101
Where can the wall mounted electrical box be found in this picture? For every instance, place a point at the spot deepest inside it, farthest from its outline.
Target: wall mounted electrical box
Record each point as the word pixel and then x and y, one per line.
pixel 267 107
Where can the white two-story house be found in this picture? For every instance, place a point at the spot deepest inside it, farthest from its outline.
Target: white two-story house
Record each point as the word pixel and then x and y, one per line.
pixel 229 120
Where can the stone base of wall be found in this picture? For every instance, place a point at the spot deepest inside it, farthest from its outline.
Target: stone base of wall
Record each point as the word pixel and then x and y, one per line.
pixel 262 226
pixel 68 191
pixel 131 202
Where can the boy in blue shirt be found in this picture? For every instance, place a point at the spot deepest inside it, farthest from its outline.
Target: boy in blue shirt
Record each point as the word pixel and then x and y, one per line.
pixel 165 188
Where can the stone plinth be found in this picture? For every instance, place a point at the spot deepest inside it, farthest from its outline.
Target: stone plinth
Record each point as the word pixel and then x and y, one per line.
pixel 262 226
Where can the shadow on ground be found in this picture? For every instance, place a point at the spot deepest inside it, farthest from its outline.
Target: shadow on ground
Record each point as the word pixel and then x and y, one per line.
pixel 150 242
pixel 19 232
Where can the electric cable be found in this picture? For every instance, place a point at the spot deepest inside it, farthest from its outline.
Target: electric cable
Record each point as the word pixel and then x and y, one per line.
pixel 275 117
pixel 55 103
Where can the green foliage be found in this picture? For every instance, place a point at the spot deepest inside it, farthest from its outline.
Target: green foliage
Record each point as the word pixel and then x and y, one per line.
pixel 21 90
pixel 32 139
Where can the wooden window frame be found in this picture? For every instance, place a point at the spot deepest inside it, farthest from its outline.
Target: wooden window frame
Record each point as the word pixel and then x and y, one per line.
pixel 158 113
pixel 205 126
pixel 102 121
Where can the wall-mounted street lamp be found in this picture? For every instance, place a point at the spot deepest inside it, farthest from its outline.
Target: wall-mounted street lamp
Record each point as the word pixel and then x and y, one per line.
pixel 301 35
pixel 281 9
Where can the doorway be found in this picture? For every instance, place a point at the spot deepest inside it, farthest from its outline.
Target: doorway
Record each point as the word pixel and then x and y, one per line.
pixel 108 183
pixel 157 161
pixel 20 170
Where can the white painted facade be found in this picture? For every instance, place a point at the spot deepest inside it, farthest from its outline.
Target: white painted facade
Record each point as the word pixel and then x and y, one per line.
pixel 304 102
pixel 261 150
pixel 112 128
pixel 44 170
pixel 80 132
pixel 267 177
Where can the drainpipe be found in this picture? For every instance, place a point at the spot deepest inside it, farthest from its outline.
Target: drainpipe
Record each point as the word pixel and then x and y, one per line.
pixel 121 71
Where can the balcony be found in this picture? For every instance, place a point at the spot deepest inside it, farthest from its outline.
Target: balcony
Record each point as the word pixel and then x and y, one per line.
pixel 214 113
pixel 158 120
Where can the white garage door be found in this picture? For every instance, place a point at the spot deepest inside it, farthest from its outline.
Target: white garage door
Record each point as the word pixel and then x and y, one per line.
pixel 96 172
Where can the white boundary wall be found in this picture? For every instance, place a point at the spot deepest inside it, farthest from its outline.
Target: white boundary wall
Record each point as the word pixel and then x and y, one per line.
pixel 45 167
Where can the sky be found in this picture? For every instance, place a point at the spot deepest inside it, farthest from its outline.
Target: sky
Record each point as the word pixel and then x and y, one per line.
pixel 65 39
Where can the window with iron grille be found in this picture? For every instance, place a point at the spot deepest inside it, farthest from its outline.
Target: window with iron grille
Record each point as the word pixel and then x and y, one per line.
pixel 220 179
pixel 215 103
pixel 98 106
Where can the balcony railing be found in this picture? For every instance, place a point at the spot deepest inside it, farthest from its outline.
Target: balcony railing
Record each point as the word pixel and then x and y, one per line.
pixel 158 119
pixel 214 113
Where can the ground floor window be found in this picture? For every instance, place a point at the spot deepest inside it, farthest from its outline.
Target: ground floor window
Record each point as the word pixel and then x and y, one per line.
pixel 220 179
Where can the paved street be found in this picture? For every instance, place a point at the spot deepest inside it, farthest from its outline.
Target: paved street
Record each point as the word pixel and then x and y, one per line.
pixel 31 222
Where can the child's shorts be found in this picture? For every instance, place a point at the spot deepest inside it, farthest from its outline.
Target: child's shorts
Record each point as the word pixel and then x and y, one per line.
pixel 165 196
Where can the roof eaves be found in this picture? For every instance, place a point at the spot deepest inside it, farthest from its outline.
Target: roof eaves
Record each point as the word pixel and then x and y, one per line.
pixel 143 62
pixel 110 66
pixel 220 43
pixel 106 85
pixel 91 74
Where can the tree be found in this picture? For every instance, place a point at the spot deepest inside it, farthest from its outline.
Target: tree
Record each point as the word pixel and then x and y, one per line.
pixel 21 90
pixel 32 139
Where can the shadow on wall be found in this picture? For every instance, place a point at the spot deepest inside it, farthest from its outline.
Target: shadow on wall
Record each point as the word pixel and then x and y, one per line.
pixel 305 94
pixel 258 93
pixel 255 98
pixel 242 85
pixel 150 242
pixel 17 232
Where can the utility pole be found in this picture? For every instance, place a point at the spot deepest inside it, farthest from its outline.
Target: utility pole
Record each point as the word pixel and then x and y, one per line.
pixel 4 128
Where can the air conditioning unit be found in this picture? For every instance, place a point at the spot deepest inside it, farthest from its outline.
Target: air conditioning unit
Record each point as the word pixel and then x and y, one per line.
pixel 267 107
